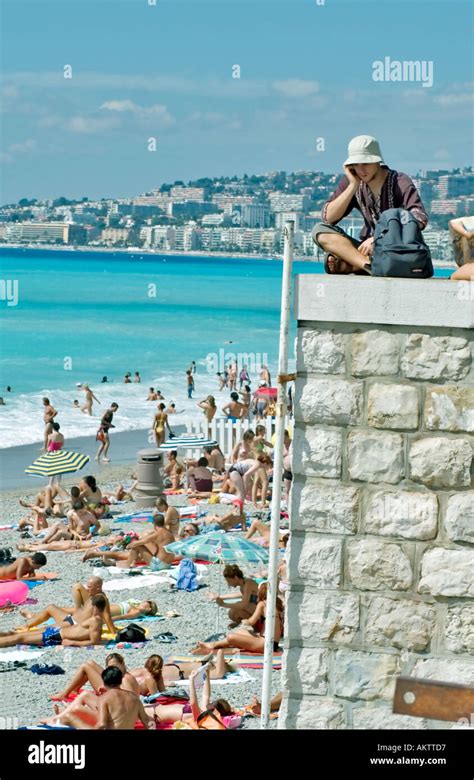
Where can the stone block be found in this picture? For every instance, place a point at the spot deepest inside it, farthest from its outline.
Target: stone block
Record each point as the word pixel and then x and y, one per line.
pixel 375 456
pixel 372 718
pixel 306 671
pixel 316 561
pixel 366 676
pixel 400 623
pixel 321 352
pixel 323 617
pixel 374 565
pixel 441 462
pixel 311 712
pixel 450 409
pixel 393 406
pixel 460 629
pixel 317 452
pixel 447 573
pixel 406 513
pixel 375 353
pixel 332 509
pixel 459 520
pixel 329 401
pixel 436 357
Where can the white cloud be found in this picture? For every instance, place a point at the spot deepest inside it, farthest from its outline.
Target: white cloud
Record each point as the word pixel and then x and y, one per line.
pixel 90 125
pixel 453 99
pixel 296 88
pixel 17 150
pixel 157 111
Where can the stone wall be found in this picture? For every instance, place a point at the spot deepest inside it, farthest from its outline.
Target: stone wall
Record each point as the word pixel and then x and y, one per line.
pixel 381 561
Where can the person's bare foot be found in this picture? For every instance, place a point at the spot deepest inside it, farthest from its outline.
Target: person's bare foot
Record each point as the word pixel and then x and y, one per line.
pixel 202 648
pixel 26 613
pixel 105 460
pixel 256 707
pixel 88 555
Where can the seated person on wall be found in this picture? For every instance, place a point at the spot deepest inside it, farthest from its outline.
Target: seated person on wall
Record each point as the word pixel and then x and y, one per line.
pixel 371 187
pixel 462 236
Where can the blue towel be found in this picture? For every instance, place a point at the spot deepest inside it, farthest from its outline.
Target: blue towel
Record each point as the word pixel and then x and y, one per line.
pixel 187 575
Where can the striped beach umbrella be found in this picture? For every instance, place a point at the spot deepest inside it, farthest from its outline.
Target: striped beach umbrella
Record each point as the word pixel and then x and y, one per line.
pixel 220 547
pixel 53 464
pixel 187 442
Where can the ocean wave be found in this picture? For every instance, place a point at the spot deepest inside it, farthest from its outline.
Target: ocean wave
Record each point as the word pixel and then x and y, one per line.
pixel 21 419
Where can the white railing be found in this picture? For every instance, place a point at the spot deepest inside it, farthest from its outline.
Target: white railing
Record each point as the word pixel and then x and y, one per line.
pixel 228 433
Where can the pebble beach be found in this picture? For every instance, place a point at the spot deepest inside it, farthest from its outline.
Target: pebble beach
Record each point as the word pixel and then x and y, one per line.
pixel 26 695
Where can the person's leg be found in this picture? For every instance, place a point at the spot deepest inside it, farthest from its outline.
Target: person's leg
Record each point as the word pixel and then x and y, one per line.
pixel 59 614
pixel 219 669
pixel 25 638
pixel 257 527
pixel 238 483
pixel 342 247
pixel 465 273
pixel 237 614
pixel 106 449
pixel 140 553
pixel 90 671
pixel 80 595
pixel 165 712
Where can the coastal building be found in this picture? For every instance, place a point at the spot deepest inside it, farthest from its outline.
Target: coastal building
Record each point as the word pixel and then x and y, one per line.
pixel 113 235
pixel 187 238
pixel 283 216
pixel 281 201
pixel 255 215
pixel 191 208
pixel 188 193
pixel 447 206
pixel 45 232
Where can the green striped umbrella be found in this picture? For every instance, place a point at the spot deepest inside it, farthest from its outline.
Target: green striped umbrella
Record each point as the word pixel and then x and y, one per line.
pixel 52 464
pixel 220 547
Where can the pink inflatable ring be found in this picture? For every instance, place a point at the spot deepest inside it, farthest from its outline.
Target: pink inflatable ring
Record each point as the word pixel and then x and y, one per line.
pixel 13 592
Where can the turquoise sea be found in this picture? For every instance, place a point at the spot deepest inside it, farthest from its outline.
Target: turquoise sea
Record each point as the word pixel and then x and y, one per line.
pixel 83 315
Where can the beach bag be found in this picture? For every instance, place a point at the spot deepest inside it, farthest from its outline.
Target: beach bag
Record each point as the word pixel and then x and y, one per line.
pixel 399 247
pixel 6 555
pixel 187 575
pixel 131 633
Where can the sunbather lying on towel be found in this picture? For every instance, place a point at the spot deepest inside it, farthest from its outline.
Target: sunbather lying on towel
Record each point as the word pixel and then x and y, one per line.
pixel 24 568
pixel 235 516
pixel 117 708
pixel 71 615
pixel 148 549
pixel 80 635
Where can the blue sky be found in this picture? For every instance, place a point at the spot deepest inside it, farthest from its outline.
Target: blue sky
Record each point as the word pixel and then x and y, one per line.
pixel 165 71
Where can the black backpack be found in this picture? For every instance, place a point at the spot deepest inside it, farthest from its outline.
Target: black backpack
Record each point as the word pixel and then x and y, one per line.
pixel 131 633
pixel 6 555
pixel 399 247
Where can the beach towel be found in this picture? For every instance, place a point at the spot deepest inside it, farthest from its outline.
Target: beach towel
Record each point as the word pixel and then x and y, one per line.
pixel 21 655
pixel 245 660
pixel 187 576
pixel 231 678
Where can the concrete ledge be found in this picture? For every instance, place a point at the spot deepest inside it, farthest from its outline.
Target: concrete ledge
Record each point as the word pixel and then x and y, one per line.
pixel 436 303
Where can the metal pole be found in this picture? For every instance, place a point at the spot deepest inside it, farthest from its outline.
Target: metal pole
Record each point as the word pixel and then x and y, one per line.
pixel 277 472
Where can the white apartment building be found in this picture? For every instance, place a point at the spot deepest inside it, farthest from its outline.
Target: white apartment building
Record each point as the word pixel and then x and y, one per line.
pixel 187 193
pixel 281 201
pixel 283 216
pixel 187 238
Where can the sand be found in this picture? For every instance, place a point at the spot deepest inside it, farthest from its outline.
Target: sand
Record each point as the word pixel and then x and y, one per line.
pixel 25 695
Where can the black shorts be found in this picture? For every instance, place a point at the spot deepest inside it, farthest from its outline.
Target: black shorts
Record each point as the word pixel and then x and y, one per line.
pixel 288 475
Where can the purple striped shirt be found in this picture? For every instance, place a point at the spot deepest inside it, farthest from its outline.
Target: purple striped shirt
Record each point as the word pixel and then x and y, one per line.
pixel 398 191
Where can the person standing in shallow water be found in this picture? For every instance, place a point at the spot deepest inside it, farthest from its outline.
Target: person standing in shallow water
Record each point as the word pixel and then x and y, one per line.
pixel 103 433
pixel 90 398
pixel 189 383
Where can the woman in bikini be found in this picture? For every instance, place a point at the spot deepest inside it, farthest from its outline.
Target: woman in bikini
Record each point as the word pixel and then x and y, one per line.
pixel 160 423
pixel 252 640
pixel 244 608
pixel 208 405
pixel 92 496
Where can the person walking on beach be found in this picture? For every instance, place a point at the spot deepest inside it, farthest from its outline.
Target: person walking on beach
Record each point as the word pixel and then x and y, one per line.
pixel 49 413
pixel 90 397
pixel 103 433
pixel 371 187
pixel 160 423
pixel 232 378
pixel 189 383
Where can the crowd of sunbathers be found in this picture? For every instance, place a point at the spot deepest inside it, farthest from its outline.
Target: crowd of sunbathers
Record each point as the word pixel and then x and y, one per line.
pixel 77 520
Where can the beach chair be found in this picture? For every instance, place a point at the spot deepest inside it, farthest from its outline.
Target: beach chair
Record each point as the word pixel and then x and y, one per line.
pixel 434 699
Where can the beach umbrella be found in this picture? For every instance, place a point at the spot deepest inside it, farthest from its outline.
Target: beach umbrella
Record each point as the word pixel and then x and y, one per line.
pixel 267 392
pixel 187 442
pixel 53 464
pixel 220 547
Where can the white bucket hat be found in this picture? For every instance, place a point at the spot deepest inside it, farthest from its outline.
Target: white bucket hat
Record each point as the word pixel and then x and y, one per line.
pixel 363 149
